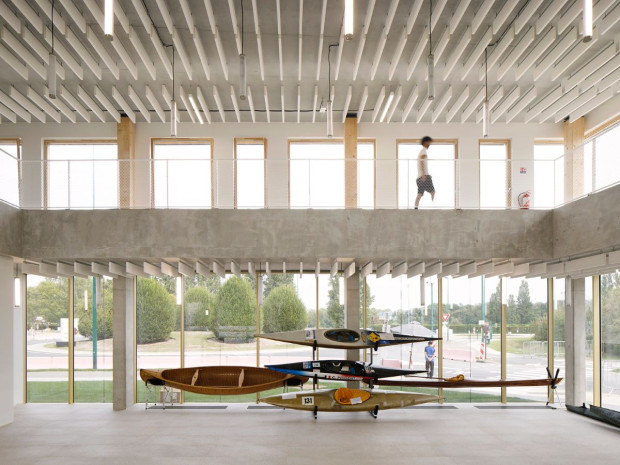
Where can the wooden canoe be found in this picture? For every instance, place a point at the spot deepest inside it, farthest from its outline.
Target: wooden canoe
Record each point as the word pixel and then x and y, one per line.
pixel 467 383
pixel 359 400
pixel 343 338
pixel 220 380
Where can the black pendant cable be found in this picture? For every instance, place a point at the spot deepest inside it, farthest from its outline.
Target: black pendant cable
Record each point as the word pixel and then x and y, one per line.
pixel 431 58
pixel 52 83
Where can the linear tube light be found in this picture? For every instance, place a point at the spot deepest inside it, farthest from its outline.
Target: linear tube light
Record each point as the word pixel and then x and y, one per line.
pixel 431 77
pixel 52 80
pixel 108 20
pixel 192 101
pixel 242 78
pixel 173 118
pixel 330 120
pixel 587 20
pixel 387 106
pixel 486 117
pixel 348 19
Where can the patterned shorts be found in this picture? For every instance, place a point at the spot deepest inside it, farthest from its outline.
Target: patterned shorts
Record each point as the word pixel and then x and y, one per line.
pixel 425 185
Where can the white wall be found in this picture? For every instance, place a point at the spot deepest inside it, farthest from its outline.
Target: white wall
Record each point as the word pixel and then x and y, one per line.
pixel 522 138
pixel 6 340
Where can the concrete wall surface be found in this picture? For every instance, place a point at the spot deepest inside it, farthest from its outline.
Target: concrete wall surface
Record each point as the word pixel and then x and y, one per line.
pixel 287 234
pixel 10 231
pixel 6 340
pixel 587 225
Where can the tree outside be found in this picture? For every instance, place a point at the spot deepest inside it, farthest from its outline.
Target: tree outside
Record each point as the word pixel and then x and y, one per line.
pixel 235 306
pixel 156 315
pixel 283 310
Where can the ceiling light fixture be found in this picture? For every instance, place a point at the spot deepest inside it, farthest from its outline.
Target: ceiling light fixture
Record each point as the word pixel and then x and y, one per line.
pixel 52 82
pixel 348 19
pixel 485 105
pixel 587 20
pixel 330 118
pixel 387 106
pixel 108 21
pixel 173 104
pixel 431 58
pixel 242 71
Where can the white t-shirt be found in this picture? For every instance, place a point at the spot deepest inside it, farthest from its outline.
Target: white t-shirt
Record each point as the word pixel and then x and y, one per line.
pixel 422 163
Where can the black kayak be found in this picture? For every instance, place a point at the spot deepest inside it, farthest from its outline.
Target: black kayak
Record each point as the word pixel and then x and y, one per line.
pixel 341 370
pixel 606 415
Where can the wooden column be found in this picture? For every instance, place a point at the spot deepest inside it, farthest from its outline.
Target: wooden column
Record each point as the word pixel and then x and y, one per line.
pixel 350 166
pixel 126 143
pixel 574 135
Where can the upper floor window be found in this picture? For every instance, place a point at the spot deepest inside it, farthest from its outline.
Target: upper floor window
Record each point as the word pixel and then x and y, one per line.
pixel 80 174
pixel 442 159
pixel 548 173
pixel 366 177
pixel 9 170
pixel 495 174
pixel 601 167
pixel 250 155
pixel 182 173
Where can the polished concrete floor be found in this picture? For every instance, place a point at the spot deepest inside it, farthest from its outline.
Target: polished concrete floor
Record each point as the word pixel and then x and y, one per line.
pixel 240 434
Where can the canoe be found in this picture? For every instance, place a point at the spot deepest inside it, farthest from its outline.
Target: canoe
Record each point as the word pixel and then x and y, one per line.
pixel 341 370
pixel 611 417
pixel 220 380
pixel 467 383
pixel 348 400
pixel 344 338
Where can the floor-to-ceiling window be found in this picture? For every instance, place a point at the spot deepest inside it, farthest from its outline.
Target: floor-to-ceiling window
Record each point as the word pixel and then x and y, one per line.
pixel 610 340
pixel 250 156
pixel 559 332
pixel 601 151
pixel 442 159
pixel 9 170
pixel 495 174
pixel 183 173
pixel 366 174
pixel 548 182
pixel 80 174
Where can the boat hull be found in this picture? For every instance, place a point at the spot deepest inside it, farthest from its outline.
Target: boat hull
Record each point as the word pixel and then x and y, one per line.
pixel 341 370
pixel 467 383
pixel 344 338
pixel 324 400
pixel 220 380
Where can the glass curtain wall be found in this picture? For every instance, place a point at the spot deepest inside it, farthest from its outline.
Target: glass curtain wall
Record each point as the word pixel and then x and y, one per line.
pixel 610 341
pixel 495 174
pixel 526 336
pixel 559 333
pixel 548 184
pixel 606 169
pixel 47 340
pixel 250 155
pixel 589 341
pixel 366 183
pixel 93 341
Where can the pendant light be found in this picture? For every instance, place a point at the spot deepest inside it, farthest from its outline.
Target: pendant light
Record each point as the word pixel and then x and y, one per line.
pixel 52 83
pixel 587 20
pixel 330 118
pixel 242 68
pixel 485 104
pixel 173 104
pixel 431 58
pixel 108 19
pixel 348 19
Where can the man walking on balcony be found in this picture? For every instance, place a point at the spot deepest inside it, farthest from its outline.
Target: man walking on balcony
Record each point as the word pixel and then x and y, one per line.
pixel 424 181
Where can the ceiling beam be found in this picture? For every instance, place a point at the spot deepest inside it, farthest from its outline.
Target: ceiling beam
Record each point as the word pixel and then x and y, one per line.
pixel 218 103
pixel 116 95
pixel 102 52
pixel 150 96
pixel 552 12
pixel 250 104
pixel 541 47
pixel 417 53
pixel 413 96
pixel 543 103
pixel 202 55
pixel 362 104
pixel 259 40
pixel 279 22
pixel 347 101
pixel 321 38
pixel 216 36
pixel 378 103
pixel 105 101
pixel 441 104
pixel 397 96
pixel 142 53
pixel 44 105
pixel 456 107
pixel 457 53
pixel 528 11
pixel 90 103
pixel 266 95
pixel 481 14
pixel 203 103
pixel 362 38
pixel 73 102
pixel 518 50
pixel 133 96
pixel 301 23
pixel 523 102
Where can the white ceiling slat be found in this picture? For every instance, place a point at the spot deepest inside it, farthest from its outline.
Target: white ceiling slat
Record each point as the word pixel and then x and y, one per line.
pixel 417 53
pixel 383 38
pixel 21 51
pixel 266 95
pixel 558 104
pixel 251 104
pixel 605 70
pixel 184 98
pixel 165 14
pixel 233 98
pixel 179 48
pixel 503 15
pixel 75 15
pixel 592 104
pixel 347 101
pixel 10 18
pixel 494 100
pixel 152 98
pixel 441 104
pixel 138 102
pixel 31 15
pixel 474 58
pixel 339 53
pixel 90 103
pixel 441 46
pixel 523 102
pixel 519 49
pixel 282 104
pixel 259 41
pixel 27 104
pixel 120 15
pixel 187 12
pixel 298 104
pixel 41 103
pixel 565 43
pixel 499 110
pixel 571 57
pixel 547 100
pixel 279 21
pixel 609 80
pixel 571 15
pixel 142 13
pixel 481 15
pixel 86 57
pixel 73 102
pixel 8 113
pixel 316 99
pixel 116 95
pixel 610 20
pixel 456 53
pixel 203 102
pixel 105 101
pixel 455 21
pixel 142 53
pixel 439 7
pixel 321 38
pixel 362 104
pixel 202 55
pixel 410 102
pixel 218 103
pixel 426 104
pixel 452 112
pixel 596 63
pixel 93 7
pixel 41 50
pixel 397 96
pixel 497 51
pixel 216 37
pixel 475 103
pixel 301 23
pixel 377 108
pixel 13 62
pixel 395 61
pixel 233 20
pixel 127 60
pixel 161 51
pixel 529 10
pixel 100 49
pixel 552 11
pixel 583 98
pixel 362 40
pixel 65 56
pixel 541 47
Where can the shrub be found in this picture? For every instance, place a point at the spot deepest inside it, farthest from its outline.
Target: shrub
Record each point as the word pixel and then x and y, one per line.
pixel 198 300
pixel 283 310
pixel 235 305
pixel 156 313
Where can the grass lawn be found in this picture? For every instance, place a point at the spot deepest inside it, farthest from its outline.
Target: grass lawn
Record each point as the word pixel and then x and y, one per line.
pixel 515 344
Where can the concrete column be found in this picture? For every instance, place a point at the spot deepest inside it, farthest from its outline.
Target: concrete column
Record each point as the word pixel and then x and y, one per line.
pixel 352 309
pixel 575 341
pixel 7 310
pixel 350 166
pixel 124 370
pixel 126 143
pixel 574 134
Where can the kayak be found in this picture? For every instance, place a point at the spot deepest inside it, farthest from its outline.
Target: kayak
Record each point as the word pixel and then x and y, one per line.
pixel 220 380
pixel 460 382
pixel 341 370
pixel 348 400
pixel 343 338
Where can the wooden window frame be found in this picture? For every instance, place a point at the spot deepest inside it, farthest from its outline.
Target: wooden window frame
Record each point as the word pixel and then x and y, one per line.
pixel 18 144
pixel 49 142
pixel 418 140
pixel 180 141
pixel 250 141
pixel 508 144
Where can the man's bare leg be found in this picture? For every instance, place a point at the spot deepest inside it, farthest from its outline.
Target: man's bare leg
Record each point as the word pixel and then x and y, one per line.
pixel 417 200
pixel 433 195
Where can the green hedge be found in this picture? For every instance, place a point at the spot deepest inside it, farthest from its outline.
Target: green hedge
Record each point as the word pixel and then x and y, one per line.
pixel 283 310
pixel 156 312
